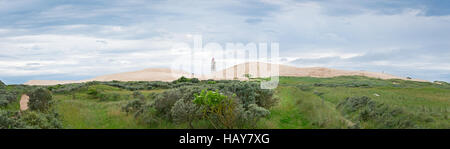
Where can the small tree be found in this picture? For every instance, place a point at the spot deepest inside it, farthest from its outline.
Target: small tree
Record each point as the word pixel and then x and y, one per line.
pixel 40 99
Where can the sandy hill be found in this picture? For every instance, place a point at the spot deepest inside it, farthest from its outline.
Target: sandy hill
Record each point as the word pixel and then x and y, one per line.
pixel 264 70
pixel 151 74
pixel 255 69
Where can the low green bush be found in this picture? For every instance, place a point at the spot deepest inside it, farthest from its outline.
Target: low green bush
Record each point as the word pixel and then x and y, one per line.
pixel 29 120
pixel 6 97
pixel 133 106
pixel 40 120
pixel 8 120
pixel 185 111
pixel 40 99
pixel 376 115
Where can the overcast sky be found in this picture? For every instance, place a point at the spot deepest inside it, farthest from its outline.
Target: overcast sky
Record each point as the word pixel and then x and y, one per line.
pixel 80 39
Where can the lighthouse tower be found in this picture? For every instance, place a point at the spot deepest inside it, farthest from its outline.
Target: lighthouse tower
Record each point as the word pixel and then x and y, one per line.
pixel 213 65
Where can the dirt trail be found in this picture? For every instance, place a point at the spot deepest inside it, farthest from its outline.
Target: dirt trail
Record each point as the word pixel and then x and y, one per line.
pixel 24 102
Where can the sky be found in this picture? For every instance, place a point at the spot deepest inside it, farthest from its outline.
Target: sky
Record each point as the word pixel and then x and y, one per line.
pixel 81 39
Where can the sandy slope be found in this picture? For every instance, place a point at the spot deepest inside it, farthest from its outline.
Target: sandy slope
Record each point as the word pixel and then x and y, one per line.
pixel 236 72
pixel 24 102
pixel 264 70
pixel 151 74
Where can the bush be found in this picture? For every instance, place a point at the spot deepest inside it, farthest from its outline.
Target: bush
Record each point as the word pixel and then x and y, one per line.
pixel 254 113
pixel 218 109
pixel 2 85
pixel 133 106
pixel 182 79
pixel 41 120
pixel 164 101
pixel 363 109
pixel 138 95
pixel 8 120
pixel 29 119
pixel 3 103
pixel 185 111
pixel 224 104
pixel 6 97
pixel 148 115
pixel 249 93
pixel 40 99
pixel 266 98
pixel 195 80
pixel 92 91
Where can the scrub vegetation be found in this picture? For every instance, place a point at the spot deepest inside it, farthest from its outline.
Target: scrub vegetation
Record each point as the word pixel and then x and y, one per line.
pixel 348 102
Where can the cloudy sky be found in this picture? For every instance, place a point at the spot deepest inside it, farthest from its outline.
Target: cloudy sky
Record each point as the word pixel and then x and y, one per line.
pixel 80 39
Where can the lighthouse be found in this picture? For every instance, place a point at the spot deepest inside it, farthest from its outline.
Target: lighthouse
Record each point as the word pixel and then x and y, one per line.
pixel 213 65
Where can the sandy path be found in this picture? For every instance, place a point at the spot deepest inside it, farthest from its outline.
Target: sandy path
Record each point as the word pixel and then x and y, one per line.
pixel 24 102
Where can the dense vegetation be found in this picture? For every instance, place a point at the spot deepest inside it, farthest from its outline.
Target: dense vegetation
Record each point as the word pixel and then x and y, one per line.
pixel 298 102
pixel 39 115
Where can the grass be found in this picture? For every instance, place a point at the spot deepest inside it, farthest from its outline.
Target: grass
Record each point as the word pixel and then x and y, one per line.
pixel 419 98
pixel 83 111
pixel 305 103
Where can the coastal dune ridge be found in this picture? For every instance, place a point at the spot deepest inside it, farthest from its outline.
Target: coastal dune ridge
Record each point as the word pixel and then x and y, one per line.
pixel 239 72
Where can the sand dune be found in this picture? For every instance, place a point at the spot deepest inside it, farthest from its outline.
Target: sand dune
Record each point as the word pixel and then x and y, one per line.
pixel 264 70
pixel 151 74
pixel 255 69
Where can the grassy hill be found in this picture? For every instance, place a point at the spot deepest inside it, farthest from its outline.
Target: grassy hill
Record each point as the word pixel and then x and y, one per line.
pixel 301 103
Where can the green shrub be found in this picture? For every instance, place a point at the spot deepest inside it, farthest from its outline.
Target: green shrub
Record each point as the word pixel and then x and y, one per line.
pixel 364 110
pixel 195 80
pixel 218 109
pixel 41 120
pixel 29 120
pixel 164 101
pixel 40 99
pixel 209 98
pixel 266 99
pixel 133 106
pixel 138 95
pixel 92 91
pixel 8 120
pixel 3 103
pixel 185 111
pixel 182 79
pixel 149 116
pixel 254 113
pixel 7 96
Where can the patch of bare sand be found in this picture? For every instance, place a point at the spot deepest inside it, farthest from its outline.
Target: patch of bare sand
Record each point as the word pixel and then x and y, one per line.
pixel 24 102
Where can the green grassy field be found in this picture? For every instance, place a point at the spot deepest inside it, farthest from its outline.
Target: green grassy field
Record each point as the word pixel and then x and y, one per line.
pixel 305 103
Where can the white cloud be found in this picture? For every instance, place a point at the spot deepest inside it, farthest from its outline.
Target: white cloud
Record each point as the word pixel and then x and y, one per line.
pixel 119 36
